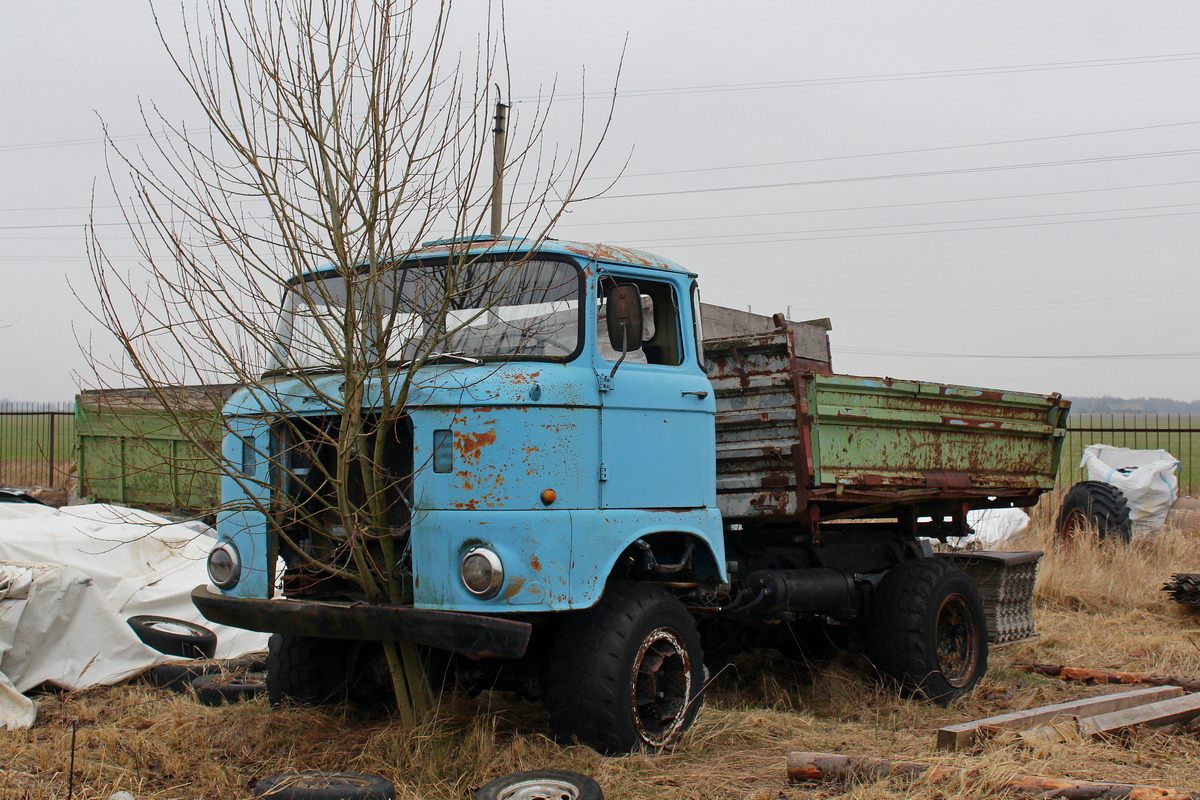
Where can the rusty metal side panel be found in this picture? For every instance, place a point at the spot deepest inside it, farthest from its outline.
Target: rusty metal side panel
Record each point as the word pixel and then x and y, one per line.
pixel 758 424
pixel 789 437
pixel 884 433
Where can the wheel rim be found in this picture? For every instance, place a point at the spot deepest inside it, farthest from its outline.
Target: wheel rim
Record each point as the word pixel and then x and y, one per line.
pixel 660 687
pixel 174 628
pixel 1074 525
pixel 957 642
pixel 540 789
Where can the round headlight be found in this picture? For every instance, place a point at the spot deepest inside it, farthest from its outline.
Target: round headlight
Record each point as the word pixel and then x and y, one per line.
pixel 482 572
pixel 224 566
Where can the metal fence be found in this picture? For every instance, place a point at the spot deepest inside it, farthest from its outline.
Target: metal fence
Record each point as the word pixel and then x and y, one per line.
pixel 37 444
pixel 1178 434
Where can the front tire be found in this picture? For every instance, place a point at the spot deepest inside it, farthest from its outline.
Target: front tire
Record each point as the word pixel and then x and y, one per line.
pixel 304 669
pixel 628 673
pixel 928 631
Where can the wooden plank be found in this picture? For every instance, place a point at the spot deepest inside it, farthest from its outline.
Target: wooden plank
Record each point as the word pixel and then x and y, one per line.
pixel 804 767
pixel 1164 712
pixel 956 737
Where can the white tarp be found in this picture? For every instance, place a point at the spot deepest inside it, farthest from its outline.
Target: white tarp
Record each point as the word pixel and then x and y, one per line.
pixel 995 526
pixel 69 578
pixel 1149 479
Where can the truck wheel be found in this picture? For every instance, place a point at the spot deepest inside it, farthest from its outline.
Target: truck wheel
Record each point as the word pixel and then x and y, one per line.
pixel 541 784
pixel 305 669
pixel 628 673
pixel 928 631
pixel 1093 505
pixel 174 637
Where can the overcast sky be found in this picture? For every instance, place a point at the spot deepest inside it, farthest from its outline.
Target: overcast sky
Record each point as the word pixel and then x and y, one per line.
pixel 1000 195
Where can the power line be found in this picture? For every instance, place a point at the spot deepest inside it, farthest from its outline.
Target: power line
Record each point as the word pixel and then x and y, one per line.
pixel 880 78
pixel 912 151
pixel 913 233
pixel 881 206
pixel 918 224
pixel 734 87
pixel 898 175
pixel 867 351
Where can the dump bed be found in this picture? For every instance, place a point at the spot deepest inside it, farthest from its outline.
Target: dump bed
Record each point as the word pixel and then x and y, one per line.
pixel 791 437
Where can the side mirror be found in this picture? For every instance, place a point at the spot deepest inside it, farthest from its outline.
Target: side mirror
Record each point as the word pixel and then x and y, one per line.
pixel 623 307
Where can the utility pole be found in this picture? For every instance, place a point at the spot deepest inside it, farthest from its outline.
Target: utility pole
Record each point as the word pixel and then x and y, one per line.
pixel 498 169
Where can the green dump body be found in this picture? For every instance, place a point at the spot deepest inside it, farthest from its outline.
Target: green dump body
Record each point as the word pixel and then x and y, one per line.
pixel 795 440
pixel 133 452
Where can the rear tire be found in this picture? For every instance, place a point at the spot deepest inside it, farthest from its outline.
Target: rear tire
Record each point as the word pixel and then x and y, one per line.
pixel 1093 505
pixel 628 673
pixel 928 631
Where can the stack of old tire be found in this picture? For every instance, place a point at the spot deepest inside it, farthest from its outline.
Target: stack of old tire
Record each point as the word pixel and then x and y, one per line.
pixel 214 683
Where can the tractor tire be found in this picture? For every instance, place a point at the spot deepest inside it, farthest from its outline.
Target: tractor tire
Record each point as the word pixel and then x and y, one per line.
pixel 928 632
pixel 628 673
pixel 306 670
pixel 174 637
pixel 541 784
pixel 1093 505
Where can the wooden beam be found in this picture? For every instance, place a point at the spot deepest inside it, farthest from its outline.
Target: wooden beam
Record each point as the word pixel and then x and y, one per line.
pixel 1109 676
pixel 1165 712
pixel 804 767
pixel 956 737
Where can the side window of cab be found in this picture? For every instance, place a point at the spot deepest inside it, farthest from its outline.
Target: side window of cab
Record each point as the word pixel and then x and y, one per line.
pixel 661 342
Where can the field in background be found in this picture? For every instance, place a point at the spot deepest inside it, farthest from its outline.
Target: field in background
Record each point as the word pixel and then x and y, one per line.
pixel 1179 434
pixel 1095 607
pixel 37 446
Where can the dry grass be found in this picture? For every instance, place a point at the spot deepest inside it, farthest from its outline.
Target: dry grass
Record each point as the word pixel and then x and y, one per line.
pixel 1097 607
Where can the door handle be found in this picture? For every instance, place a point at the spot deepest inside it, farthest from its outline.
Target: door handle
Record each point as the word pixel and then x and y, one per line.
pixel 700 395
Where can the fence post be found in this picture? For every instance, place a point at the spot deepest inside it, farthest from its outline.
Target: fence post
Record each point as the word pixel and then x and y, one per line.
pixel 50 455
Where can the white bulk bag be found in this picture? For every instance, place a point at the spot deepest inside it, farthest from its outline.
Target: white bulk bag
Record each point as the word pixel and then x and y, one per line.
pixel 1149 480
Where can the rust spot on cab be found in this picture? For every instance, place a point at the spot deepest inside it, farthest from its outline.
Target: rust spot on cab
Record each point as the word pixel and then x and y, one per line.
pixel 469 445
pixel 514 588
pixel 533 562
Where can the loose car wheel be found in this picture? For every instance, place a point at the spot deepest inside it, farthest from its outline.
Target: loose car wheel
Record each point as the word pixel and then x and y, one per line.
pixel 305 669
pixel 928 631
pixel 628 673
pixel 175 637
pixel 541 784
pixel 313 785
pixel 217 690
pixel 1093 506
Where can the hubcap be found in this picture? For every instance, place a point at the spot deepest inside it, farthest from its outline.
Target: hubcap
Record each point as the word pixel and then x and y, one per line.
pixel 660 687
pixel 957 641
pixel 540 789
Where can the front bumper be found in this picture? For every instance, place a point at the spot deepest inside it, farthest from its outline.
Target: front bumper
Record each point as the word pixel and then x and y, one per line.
pixel 472 635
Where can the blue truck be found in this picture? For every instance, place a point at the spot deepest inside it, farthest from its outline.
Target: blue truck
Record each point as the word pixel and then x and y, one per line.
pixel 593 496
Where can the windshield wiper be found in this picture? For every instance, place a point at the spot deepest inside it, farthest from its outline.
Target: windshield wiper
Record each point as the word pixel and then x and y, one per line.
pixel 436 357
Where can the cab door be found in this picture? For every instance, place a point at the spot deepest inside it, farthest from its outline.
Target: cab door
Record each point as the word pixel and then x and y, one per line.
pixel 657 440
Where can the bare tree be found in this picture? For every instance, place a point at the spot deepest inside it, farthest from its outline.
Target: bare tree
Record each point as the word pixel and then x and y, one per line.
pixel 339 136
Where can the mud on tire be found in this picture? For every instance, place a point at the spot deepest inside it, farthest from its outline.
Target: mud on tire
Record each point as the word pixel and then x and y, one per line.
pixel 628 673
pixel 928 631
